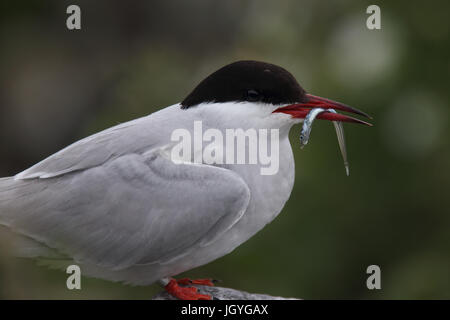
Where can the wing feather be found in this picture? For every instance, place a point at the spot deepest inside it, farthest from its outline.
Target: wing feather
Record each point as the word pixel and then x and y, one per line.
pixel 132 209
pixel 134 136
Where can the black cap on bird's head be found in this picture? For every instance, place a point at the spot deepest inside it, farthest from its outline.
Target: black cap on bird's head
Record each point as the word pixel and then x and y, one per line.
pixel 261 82
pixel 247 80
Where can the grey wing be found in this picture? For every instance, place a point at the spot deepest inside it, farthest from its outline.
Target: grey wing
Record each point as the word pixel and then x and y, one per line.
pixel 125 138
pixel 130 210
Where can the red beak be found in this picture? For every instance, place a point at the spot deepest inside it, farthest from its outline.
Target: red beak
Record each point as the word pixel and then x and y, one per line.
pixel 301 110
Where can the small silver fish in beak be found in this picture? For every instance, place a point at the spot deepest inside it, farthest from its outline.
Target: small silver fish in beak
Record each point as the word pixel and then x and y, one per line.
pixel 306 131
pixel 322 108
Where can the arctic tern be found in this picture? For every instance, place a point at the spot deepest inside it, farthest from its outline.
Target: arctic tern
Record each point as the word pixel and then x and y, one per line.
pixel 118 206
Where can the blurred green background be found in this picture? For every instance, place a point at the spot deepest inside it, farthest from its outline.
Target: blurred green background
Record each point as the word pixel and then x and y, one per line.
pixel 133 58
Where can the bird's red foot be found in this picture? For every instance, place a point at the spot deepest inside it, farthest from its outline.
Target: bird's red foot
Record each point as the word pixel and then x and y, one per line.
pixel 203 282
pixel 185 293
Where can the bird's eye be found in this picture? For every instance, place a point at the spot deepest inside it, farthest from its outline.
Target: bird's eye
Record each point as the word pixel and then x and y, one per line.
pixel 253 95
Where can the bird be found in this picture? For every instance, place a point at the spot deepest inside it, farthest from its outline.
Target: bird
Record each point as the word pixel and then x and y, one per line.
pixel 118 205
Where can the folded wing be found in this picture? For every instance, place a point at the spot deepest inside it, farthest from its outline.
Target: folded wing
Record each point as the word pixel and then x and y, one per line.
pixel 132 209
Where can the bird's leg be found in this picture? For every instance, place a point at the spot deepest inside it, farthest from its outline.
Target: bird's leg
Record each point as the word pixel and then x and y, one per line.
pixel 203 282
pixel 183 293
